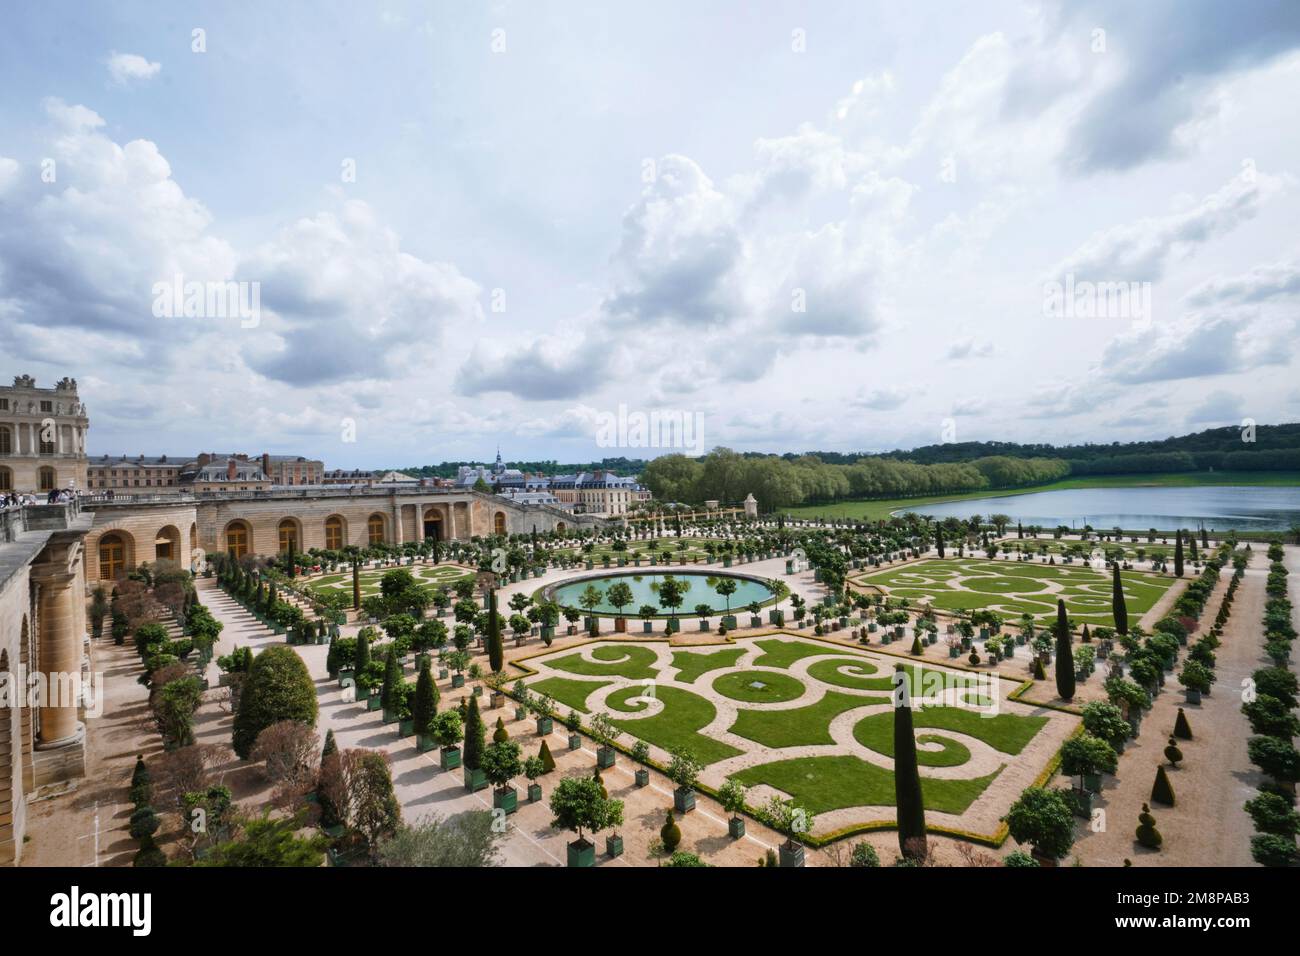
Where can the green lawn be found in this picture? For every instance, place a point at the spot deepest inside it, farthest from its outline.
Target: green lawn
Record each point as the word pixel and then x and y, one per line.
pixel 676 726
pixel 1008 733
pixel 691 664
pixel 572 693
pixel 821 784
pixel 802 726
pixel 622 660
pixel 877 733
pixel 758 687
pixel 1014 588
pixel 879 508
pixel 779 653
pixel 429 577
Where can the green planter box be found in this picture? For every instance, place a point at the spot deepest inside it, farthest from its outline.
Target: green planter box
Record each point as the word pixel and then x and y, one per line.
pixel 507 800
pixel 458 680
pixel 390 717
pixel 534 793
pixel 581 853
pixel 642 778
pixel 736 827
pixel 791 854
pixel 776 617
pixel 729 620
pixel 520 713
pixel 604 757
pixel 374 702
pixel 449 758
pixel 647 626
pixel 345 676
pixel 443 673
pixel 614 845
pixel 683 800
pixel 424 744
pixel 406 728
pixel 475 780
pixel 544 726
pixel 574 741
pixel 755 621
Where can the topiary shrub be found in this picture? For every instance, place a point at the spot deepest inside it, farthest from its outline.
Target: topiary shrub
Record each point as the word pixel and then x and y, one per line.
pixel 1172 753
pixel 278 688
pixel 1162 791
pixel 544 754
pixel 1147 834
pixel 149 854
pixel 1019 858
pixel 144 823
pixel 863 854
pixel 1182 729
pixel 499 735
pixel 1269 849
pixel 670 833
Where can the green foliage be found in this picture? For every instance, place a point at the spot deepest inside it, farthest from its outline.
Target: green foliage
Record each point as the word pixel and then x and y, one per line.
pixel 1085 754
pixel 468 839
pixel 268 841
pixel 907 775
pixel 278 688
pixel 864 854
pixel 1162 791
pixel 1272 813
pixel 579 804
pixel 670 833
pixel 1044 819
pixel 1183 729
pixel 1147 834
pixel 472 755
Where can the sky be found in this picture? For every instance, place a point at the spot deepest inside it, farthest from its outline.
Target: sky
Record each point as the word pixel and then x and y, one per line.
pixel 840 226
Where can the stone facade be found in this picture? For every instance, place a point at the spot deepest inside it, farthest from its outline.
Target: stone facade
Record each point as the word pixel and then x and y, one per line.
pixel 42 436
pixel 42 632
pixel 186 529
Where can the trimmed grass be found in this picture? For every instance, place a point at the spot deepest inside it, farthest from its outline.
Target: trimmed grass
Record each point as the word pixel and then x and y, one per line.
pixel 802 726
pixel 822 784
pixel 691 664
pixel 572 693
pixel 776 688
pixel 621 660
pixel 1008 733
pixel 677 726
pixel 782 654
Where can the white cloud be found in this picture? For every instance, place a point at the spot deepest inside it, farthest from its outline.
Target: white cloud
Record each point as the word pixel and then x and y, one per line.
pixel 128 67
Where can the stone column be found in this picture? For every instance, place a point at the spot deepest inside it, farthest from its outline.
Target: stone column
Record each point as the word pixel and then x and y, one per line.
pixel 398 536
pixel 59 647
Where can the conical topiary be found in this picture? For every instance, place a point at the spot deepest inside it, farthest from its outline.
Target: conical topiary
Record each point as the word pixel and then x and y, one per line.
pixel 670 833
pixel 1039 672
pixel 916 645
pixel 548 762
pixel 1147 834
pixel 1182 729
pixel 595 774
pixel 1162 791
pixel 1172 753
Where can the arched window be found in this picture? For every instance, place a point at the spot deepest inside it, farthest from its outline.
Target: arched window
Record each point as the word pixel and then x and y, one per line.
pixel 6 479
pixel 288 536
pixel 112 557
pixel 375 529
pixel 6 441
pixel 47 478
pixel 238 539
pixel 334 533
pixel 500 522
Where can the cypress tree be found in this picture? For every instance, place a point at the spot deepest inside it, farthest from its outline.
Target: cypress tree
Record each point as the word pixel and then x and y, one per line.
pixel 362 656
pixel 1182 729
pixel 1191 546
pixel 472 755
pixel 1162 791
pixel 1064 654
pixel 907 775
pixel 331 746
pixel 1119 607
pixel 392 681
pixel 426 699
pixel 938 540
pixel 1178 554
pixel 356 585
pixel 1205 539
pixel 1085 637
pixel 496 652
pixel 1020 532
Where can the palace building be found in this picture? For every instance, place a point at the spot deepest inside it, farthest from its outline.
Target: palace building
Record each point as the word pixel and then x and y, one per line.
pixel 42 436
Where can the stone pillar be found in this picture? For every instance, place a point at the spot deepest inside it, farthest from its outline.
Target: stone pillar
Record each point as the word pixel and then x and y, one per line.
pixel 59 647
pixel 398 536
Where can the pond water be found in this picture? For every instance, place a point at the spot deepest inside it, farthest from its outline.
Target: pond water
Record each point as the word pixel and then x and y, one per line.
pixel 1217 507
pixel 645 590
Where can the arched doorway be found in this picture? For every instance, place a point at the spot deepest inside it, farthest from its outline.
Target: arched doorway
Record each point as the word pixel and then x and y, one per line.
pixel 433 525
pixel 112 556
pixel 288 532
pixel 376 528
pixel 559 526
pixel 47 479
pixel 167 544
pixel 499 523
pixel 335 533
pixel 239 539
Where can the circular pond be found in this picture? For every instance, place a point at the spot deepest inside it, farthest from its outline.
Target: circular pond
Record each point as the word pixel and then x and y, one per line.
pixel 700 589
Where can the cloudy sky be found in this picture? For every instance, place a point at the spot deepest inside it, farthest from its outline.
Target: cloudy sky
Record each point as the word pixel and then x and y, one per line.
pixel 823 225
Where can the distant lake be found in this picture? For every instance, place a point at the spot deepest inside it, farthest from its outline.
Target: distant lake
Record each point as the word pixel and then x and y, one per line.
pixel 1219 507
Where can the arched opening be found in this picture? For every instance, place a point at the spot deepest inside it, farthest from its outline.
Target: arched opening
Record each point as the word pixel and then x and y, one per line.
pixel 6 479
pixel 167 544
pixel 239 539
pixel 288 531
pixel 335 533
pixel 112 556
pixel 559 526
pixel 433 525
pixel 499 523
pixel 46 478
pixel 375 528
